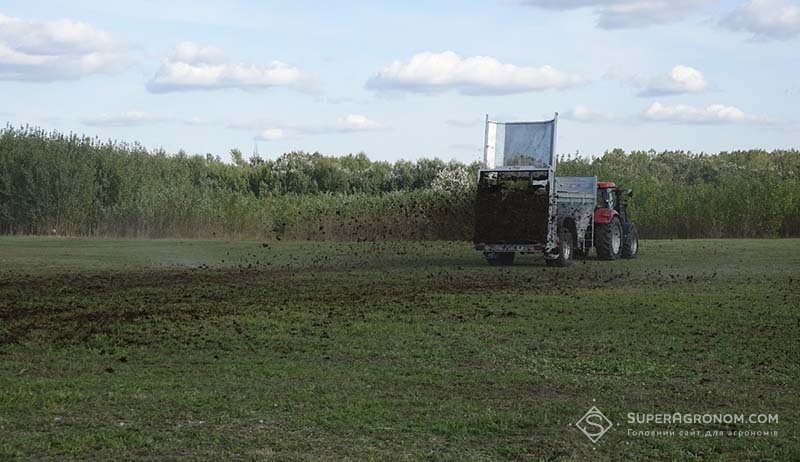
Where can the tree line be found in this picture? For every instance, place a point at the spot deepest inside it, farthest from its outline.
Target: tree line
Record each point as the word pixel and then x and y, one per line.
pixel 66 184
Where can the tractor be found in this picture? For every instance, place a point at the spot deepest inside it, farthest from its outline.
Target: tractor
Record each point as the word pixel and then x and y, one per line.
pixel 522 207
pixel 614 236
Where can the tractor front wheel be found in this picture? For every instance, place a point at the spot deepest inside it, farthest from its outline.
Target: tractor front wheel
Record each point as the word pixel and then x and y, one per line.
pixel 631 246
pixel 608 240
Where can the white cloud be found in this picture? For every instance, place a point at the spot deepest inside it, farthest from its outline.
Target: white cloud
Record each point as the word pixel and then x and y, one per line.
pixel 479 75
pixel 774 19
pixel 714 114
pixel 350 123
pixel 271 134
pixel 584 114
pixel 191 53
pixel 46 51
pixel 141 118
pixel 626 14
pixel 347 124
pixel 192 67
pixel 125 119
pixel 357 123
pixel 682 79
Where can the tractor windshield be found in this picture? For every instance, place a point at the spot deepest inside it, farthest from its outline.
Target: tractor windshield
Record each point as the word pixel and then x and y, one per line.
pixel 605 199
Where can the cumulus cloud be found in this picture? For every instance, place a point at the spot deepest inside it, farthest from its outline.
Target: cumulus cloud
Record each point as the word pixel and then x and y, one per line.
pixel 347 124
pixel 766 19
pixel 141 118
pixel 627 14
pixel 45 51
pixel 271 134
pixel 357 123
pixel 350 123
pixel 714 114
pixel 193 67
pixel 682 79
pixel 125 119
pixel 586 115
pixel 435 72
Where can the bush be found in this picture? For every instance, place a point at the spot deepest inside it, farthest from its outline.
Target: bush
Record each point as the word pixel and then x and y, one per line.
pixel 75 185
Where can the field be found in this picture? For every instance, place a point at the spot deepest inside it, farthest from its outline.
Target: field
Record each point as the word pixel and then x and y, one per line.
pixel 217 350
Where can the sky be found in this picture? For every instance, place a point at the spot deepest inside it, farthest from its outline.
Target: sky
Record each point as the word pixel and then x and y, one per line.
pixel 404 79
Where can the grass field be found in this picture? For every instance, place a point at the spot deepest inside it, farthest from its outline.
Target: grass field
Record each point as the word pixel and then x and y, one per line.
pixel 212 350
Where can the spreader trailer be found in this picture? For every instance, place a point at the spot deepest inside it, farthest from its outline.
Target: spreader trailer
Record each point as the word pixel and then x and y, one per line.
pixel 522 207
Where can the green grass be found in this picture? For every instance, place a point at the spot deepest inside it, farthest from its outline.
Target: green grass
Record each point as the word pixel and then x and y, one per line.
pixel 213 350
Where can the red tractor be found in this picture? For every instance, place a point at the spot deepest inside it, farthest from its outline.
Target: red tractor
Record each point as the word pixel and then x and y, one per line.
pixel 614 236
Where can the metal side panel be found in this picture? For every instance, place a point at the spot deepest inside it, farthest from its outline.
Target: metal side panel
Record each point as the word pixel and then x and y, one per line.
pixel 576 196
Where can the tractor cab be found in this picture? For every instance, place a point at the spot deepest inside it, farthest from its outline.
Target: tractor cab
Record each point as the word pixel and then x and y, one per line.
pixel 612 198
pixel 605 195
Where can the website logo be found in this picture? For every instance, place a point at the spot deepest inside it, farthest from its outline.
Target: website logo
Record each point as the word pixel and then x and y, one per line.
pixel 594 424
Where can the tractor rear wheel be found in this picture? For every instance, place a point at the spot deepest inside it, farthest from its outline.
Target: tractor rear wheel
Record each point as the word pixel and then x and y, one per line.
pixel 566 249
pixel 500 258
pixel 631 246
pixel 608 240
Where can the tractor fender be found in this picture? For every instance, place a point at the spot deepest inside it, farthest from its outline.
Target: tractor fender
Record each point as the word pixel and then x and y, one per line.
pixel 604 216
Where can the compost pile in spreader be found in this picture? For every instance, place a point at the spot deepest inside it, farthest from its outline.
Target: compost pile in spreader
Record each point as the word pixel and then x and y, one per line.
pixel 511 215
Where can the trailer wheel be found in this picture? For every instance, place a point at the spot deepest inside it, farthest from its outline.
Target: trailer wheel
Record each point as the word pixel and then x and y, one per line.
pixel 608 240
pixel 566 249
pixel 631 246
pixel 500 258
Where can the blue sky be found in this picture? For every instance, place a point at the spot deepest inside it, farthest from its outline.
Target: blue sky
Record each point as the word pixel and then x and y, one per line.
pixel 405 79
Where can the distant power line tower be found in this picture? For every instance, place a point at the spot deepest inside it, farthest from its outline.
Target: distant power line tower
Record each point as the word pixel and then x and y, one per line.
pixel 255 146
